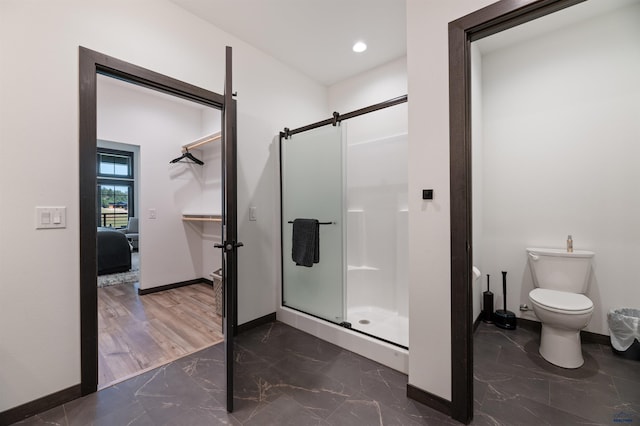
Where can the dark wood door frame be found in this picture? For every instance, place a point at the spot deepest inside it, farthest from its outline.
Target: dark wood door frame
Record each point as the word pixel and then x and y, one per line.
pixel 492 19
pixel 230 241
pixel 91 64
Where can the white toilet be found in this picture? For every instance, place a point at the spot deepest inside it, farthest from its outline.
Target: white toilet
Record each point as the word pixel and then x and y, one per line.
pixel 561 279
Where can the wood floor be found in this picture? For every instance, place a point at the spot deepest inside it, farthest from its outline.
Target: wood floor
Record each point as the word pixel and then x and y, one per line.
pixel 138 333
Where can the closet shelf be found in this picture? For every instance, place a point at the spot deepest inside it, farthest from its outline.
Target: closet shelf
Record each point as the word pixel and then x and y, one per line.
pixel 202 217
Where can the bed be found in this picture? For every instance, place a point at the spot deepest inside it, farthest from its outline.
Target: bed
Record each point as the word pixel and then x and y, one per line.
pixel 114 252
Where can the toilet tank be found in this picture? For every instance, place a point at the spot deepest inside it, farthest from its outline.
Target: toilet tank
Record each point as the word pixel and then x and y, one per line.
pixel 557 269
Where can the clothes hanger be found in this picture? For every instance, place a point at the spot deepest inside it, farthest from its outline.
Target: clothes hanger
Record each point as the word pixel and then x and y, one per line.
pixel 197 143
pixel 188 156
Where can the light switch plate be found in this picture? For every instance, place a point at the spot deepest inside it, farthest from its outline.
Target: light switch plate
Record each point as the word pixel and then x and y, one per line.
pixel 252 213
pixel 51 217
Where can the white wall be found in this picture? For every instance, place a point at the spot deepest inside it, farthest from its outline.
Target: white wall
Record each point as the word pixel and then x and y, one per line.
pixel 429 224
pixel 385 82
pixel 39 287
pixel 171 250
pixel 561 131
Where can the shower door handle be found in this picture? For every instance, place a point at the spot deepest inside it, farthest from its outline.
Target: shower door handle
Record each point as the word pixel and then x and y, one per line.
pixel 228 246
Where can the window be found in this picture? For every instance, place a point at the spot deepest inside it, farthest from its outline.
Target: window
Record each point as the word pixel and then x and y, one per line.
pixel 113 163
pixel 115 187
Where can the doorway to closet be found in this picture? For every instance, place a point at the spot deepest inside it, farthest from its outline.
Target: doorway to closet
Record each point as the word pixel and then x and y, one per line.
pixel 93 65
pixel 142 324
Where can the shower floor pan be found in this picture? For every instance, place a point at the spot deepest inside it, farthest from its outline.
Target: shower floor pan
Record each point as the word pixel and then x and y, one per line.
pixel 380 323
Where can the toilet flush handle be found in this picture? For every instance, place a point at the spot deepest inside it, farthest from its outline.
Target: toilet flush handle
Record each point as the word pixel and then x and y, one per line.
pixel 534 257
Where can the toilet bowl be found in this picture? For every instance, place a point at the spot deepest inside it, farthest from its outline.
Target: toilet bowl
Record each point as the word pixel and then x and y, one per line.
pixel 562 315
pixel 561 278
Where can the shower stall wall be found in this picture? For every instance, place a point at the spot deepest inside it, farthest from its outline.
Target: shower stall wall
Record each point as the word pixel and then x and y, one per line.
pixel 377 284
pixel 352 177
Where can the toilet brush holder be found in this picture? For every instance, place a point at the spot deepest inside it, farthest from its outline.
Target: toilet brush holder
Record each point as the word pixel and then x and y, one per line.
pixel 487 305
pixel 503 318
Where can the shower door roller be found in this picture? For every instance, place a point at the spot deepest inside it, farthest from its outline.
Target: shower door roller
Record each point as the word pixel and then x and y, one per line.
pixel 228 246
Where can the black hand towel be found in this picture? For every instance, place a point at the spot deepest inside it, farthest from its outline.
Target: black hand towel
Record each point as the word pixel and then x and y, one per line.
pixel 305 249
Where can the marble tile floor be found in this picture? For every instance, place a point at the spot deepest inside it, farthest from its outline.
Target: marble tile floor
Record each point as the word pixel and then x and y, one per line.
pixel 287 377
pixel 514 385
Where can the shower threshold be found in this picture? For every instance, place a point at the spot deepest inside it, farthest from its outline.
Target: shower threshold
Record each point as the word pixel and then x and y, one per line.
pixel 353 339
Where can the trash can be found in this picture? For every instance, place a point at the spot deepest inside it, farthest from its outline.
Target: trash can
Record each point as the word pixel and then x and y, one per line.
pixel 216 277
pixel 624 328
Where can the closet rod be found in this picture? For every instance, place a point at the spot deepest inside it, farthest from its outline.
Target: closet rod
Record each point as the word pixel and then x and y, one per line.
pixel 210 138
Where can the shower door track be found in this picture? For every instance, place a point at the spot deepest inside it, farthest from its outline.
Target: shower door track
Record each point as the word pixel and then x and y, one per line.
pixel 337 117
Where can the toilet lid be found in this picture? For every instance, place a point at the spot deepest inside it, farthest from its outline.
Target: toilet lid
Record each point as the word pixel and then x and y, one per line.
pixel 561 299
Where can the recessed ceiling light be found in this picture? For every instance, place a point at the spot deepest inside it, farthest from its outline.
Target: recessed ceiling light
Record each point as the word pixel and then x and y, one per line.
pixel 359 47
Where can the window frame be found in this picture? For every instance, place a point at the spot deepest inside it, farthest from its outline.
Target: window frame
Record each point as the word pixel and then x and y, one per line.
pixel 106 179
pixel 115 152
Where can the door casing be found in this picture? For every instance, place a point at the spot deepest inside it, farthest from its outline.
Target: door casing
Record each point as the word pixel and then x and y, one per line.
pixel 492 19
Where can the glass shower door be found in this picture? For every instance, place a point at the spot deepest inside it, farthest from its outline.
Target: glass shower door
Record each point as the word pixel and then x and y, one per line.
pixel 312 188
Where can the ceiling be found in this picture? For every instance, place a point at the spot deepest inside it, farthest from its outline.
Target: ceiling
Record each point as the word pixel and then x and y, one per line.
pixel 313 36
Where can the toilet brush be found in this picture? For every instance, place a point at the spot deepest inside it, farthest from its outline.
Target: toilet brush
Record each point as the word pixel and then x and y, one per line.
pixel 487 305
pixel 503 318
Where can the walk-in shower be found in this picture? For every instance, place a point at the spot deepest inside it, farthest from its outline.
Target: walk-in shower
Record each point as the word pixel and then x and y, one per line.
pixel 350 174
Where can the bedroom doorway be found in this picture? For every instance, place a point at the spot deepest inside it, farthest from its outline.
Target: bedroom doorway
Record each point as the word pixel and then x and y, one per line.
pixel 93 67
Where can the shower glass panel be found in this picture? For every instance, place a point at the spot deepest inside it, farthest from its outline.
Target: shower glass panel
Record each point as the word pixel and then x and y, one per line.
pixel 313 188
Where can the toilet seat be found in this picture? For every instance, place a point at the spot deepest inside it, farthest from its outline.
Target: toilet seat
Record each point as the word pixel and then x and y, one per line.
pixel 561 301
